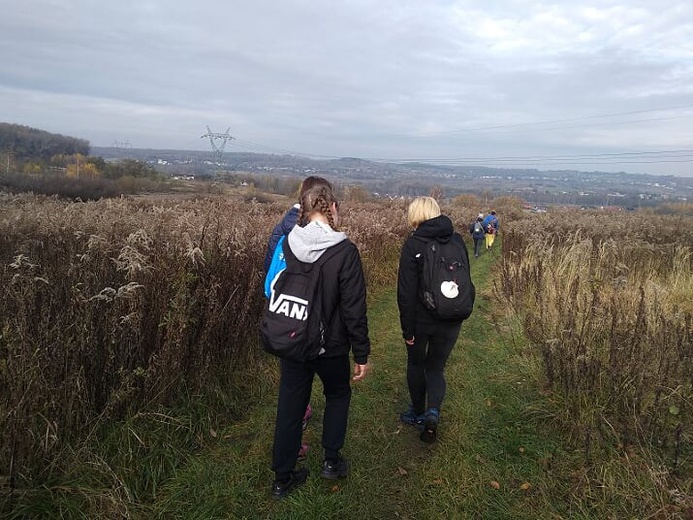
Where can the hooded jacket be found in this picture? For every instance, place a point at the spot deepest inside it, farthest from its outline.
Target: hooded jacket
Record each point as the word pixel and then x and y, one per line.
pixel 409 291
pixel 344 287
pixel 477 236
pixel 282 229
pixel 492 220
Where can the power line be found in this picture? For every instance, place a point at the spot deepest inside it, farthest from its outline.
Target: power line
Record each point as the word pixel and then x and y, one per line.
pixel 644 157
pixel 668 156
pixel 573 119
pixel 613 156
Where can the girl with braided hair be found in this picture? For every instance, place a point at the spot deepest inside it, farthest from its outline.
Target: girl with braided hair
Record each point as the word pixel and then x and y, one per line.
pixel 280 231
pixel 291 217
pixel 344 300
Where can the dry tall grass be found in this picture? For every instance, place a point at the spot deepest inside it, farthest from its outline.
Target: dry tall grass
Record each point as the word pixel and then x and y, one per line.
pixel 607 301
pixel 113 307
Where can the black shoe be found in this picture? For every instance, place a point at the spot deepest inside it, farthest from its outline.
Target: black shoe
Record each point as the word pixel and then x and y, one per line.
pixel 282 488
pixel 430 430
pixel 334 469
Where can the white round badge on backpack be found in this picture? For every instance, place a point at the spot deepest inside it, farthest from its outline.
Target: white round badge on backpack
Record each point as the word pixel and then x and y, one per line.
pixel 449 289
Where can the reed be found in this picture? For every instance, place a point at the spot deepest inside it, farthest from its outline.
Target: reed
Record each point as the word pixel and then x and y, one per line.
pixel 122 307
pixel 606 303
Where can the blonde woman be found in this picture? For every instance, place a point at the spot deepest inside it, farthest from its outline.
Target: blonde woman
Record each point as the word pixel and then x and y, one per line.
pixel 428 339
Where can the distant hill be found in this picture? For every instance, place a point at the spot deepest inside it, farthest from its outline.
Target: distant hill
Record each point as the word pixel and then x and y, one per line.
pixel 31 143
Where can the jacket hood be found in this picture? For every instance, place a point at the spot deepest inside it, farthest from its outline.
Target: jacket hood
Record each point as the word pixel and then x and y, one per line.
pixel 439 227
pixel 308 243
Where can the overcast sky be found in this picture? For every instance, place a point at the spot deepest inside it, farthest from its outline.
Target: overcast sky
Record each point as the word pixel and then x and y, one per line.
pixel 589 85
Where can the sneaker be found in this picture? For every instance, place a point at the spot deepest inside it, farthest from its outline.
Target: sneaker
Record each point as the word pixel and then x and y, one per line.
pixel 303 452
pixel 282 488
pixel 307 415
pixel 412 419
pixel 334 469
pixel 430 428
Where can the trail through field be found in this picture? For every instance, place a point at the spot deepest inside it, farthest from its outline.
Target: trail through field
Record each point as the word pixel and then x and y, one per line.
pixel 489 460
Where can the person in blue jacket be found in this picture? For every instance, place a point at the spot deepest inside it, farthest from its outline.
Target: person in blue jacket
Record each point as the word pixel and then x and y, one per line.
pixel 491 228
pixel 478 234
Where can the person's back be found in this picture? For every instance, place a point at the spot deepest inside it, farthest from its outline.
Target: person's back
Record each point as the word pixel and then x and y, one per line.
pixel 491 228
pixel 344 299
pixel 429 339
pixel 492 220
pixel 476 229
pixel 343 286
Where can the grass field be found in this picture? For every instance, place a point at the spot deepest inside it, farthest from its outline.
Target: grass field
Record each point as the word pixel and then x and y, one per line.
pixel 509 444
pixel 494 459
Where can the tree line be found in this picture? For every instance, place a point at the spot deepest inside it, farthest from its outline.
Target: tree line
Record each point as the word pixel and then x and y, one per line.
pixel 28 150
pixel 31 143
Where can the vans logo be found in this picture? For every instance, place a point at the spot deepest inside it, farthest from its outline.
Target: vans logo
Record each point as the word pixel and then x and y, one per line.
pixel 289 306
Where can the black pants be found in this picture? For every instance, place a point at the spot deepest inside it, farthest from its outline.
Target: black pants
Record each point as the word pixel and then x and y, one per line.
pixel 426 360
pixel 477 245
pixel 295 388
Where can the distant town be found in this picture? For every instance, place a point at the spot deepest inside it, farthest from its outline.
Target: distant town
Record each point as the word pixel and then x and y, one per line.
pixel 589 189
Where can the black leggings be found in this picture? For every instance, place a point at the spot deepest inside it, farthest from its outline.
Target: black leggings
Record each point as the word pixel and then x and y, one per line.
pixel 426 360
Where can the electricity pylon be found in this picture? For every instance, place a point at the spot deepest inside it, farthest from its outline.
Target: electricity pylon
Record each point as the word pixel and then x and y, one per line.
pixel 218 150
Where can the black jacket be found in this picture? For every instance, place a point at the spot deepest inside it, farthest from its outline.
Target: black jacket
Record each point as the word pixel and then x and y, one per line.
pixel 412 312
pixel 344 297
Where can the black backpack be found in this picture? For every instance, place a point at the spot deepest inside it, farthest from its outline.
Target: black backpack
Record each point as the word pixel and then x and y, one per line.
pixel 478 228
pixel 448 290
pixel 294 324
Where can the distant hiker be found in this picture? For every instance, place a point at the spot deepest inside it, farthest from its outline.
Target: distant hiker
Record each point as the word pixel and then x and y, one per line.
pixel 343 298
pixel 478 233
pixel 429 339
pixel 280 231
pixel 491 228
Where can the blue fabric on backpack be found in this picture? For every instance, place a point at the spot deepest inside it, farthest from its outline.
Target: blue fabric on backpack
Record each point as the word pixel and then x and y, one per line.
pixel 277 265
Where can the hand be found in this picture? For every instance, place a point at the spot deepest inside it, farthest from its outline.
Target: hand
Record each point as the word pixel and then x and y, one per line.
pixel 360 371
pixel 409 342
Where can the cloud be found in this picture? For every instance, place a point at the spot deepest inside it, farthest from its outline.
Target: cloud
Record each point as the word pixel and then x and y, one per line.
pixel 386 78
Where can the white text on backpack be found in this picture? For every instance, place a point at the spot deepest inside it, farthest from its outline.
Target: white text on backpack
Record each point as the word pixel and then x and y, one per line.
pixel 289 306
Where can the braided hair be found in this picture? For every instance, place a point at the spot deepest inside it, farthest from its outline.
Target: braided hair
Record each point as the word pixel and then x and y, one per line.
pixel 318 199
pixel 311 182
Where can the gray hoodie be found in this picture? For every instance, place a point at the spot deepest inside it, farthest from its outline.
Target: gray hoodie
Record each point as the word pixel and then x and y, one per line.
pixel 308 243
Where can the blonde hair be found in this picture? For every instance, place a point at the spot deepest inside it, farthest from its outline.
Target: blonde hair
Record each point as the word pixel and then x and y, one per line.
pixel 318 199
pixel 422 209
